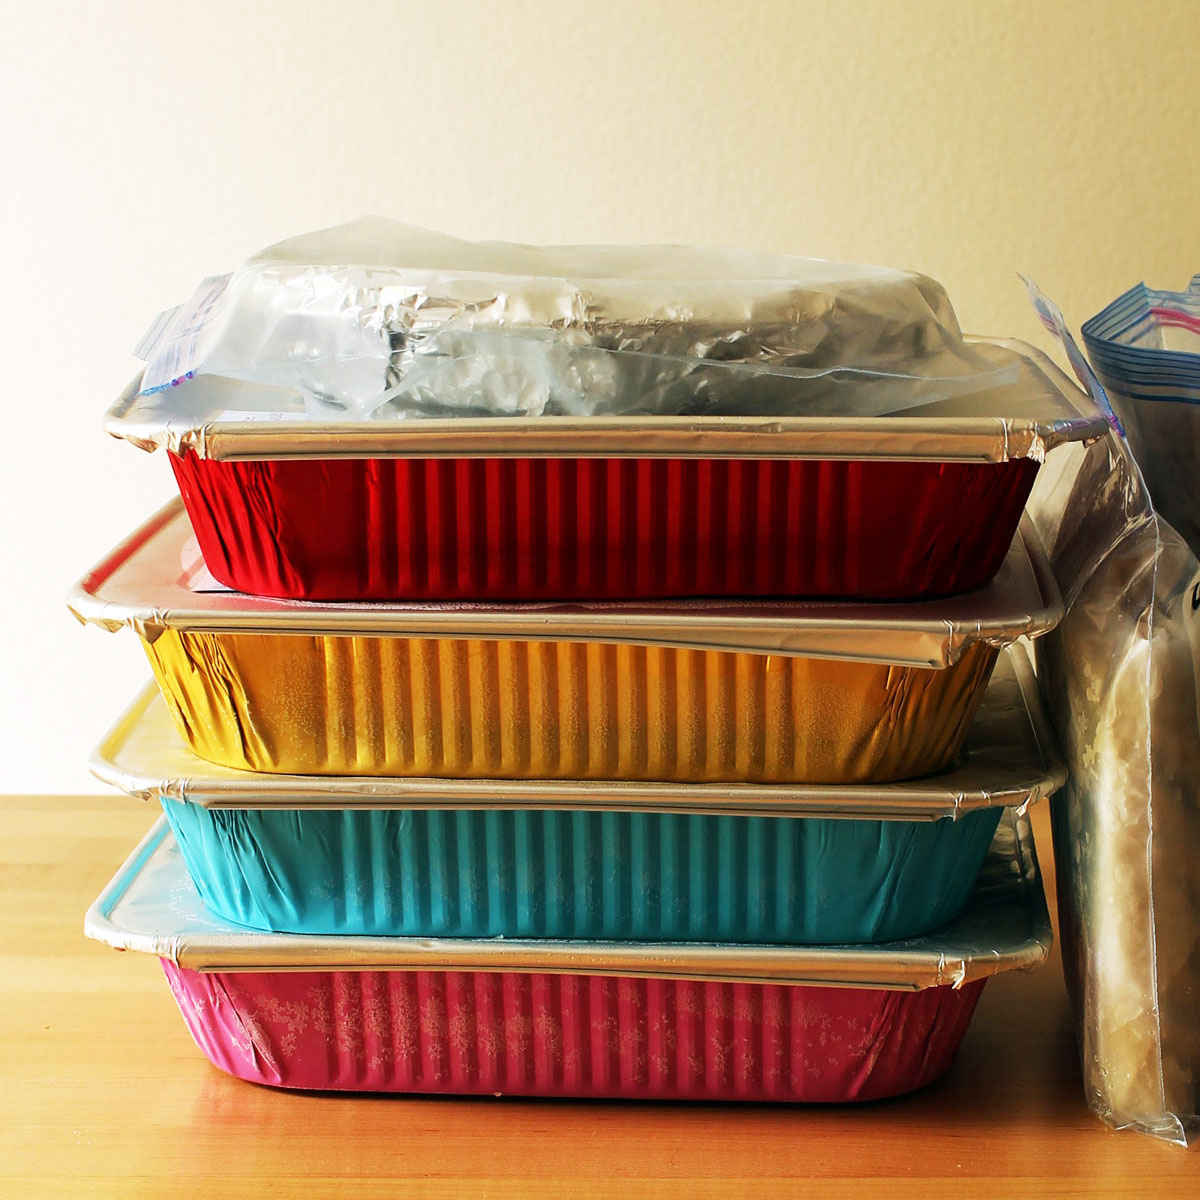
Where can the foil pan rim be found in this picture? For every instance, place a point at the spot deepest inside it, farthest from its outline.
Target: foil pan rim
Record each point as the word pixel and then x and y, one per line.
pixel 142 584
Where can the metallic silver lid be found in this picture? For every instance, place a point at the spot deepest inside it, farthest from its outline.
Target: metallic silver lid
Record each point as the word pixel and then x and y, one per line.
pixel 155 579
pixel 151 906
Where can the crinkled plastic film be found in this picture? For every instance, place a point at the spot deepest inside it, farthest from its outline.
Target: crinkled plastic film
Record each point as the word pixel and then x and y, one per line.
pixel 1120 674
pixel 377 319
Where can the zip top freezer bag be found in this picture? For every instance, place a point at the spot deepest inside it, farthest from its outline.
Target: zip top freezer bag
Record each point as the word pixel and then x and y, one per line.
pixel 1145 347
pixel 1121 674
pixel 379 412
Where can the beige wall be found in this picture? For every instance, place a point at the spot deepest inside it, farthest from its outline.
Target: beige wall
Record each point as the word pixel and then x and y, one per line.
pixel 147 144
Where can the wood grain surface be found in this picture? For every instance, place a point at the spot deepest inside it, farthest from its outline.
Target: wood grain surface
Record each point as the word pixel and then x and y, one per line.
pixel 104 1094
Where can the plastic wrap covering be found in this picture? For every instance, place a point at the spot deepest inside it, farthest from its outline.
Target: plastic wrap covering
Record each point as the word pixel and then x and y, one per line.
pixel 1121 678
pixel 380 320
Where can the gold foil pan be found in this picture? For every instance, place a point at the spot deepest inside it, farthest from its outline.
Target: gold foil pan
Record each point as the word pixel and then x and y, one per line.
pixel 151 906
pixel 558 710
pixel 1009 759
pixel 691 692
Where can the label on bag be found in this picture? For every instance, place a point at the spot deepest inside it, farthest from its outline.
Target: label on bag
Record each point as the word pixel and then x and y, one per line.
pixel 1056 325
pixel 170 347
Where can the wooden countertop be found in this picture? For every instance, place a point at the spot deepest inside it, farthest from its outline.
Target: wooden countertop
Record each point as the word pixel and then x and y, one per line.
pixel 104 1093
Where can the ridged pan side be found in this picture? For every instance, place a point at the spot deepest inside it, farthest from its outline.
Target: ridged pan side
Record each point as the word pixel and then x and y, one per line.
pixel 309 705
pixel 581 875
pixel 584 1036
pixel 602 528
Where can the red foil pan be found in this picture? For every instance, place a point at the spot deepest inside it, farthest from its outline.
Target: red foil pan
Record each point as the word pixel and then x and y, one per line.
pixel 530 528
pixel 537 508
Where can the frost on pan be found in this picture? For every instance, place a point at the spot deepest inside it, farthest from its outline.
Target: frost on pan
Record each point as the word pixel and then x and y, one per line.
pixel 1121 676
pixel 567 1035
pixel 380 320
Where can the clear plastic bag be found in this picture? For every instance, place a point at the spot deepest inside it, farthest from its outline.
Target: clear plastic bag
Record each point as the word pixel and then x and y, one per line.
pixel 379 320
pixel 1120 676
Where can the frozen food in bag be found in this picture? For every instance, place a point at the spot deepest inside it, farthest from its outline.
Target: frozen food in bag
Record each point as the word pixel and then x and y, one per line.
pixel 1121 677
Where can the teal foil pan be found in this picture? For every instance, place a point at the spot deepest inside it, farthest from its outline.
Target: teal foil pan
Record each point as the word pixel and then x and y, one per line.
pixel 570 874
pixel 665 862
